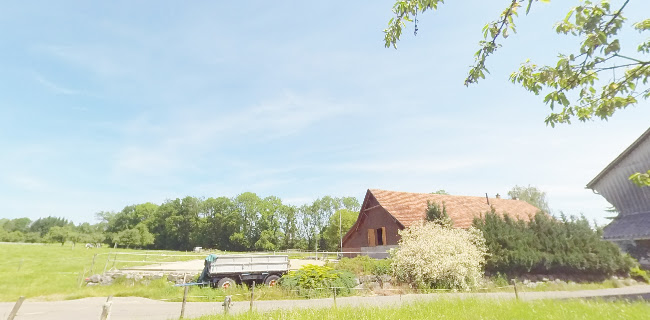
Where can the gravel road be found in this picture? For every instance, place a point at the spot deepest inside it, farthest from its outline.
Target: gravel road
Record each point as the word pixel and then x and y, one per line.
pixel 132 308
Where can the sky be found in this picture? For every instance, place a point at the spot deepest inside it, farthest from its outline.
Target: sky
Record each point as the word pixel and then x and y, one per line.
pixel 107 104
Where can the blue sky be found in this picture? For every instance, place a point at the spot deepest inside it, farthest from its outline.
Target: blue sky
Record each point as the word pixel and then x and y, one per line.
pixel 103 105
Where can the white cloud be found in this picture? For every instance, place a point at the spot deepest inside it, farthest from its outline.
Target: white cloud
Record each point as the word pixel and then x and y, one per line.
pixel 55 87
pixel 163 147
pixel 418 164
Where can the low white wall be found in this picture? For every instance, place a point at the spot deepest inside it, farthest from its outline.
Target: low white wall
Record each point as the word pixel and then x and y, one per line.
pixel 377 252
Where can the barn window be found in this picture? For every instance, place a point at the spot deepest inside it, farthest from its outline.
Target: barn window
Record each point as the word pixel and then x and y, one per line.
pixel 377 237
pixel 381 238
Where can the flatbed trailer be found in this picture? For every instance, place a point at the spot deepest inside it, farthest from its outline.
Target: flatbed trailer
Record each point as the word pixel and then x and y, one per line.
pixel 224 271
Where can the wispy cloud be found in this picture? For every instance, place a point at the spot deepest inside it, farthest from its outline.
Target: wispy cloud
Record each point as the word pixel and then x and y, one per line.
pixel 168 146
pixel 93 58
pixel 58 89
pixel 418 164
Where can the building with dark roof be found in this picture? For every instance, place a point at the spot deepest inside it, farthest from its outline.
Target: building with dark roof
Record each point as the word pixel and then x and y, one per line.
pixel 630 229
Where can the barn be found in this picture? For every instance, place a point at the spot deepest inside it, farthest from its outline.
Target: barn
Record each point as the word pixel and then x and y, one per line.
pixel 383 213
pixel 630 229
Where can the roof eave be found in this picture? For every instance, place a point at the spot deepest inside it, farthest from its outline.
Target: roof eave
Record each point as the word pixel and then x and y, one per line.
pixel 618 159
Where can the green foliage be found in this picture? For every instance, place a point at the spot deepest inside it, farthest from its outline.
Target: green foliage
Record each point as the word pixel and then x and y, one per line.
pixel 641 179
pixel 440 191
pixel 639 274
pixel 582 75
pixel 59 234
pixel 531 195
pixel 549 246
pixel 332 232
pixel 363 265
pixel 437 214
pixel 312 277
pixel 43 225
pixel 243 223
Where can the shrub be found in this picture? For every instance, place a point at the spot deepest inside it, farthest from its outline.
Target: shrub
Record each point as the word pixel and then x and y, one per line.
pixel 311 277
pixel 364 265
pixel 549 246
pixel 432 255
pixel 639 274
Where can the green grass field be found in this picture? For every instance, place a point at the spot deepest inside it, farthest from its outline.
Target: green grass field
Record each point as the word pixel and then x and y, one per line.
pixel 469 309
pixel 55 272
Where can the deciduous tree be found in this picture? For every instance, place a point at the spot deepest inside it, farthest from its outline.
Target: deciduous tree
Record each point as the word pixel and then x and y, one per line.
pixel 598 78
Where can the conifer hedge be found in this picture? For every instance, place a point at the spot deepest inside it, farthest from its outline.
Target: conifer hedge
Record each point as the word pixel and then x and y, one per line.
pixel 547 245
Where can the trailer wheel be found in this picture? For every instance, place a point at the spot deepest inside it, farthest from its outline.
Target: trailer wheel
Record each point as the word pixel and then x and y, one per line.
pixel 226 283
pixel 272 280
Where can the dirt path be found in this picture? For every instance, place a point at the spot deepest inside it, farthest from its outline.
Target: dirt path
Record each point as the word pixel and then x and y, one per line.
pixel 132 308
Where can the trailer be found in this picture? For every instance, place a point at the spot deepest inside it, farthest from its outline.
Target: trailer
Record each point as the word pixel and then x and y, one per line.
pixel 225 271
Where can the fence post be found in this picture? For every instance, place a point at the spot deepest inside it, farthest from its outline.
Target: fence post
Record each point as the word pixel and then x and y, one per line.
pixel 81 277
pixel 108 258
pixel 184 301
pixel 334 297
pixel 17 306
pixel 106 309
pixel 252 296
pixel 514 283
pixel 92 265
pixel 226 304
pixel 114 259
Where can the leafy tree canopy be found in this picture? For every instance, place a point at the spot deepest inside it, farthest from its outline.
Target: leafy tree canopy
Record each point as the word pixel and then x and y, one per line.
pixel 531 195
pixel 597 79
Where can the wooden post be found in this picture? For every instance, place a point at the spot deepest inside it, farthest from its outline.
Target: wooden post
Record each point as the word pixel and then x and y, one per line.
pixel 252 295
pixel 106 309
pixel 108 258
pixel 187 288
pixel 81 277
pixel 514 283
pixel 226 304
pixel 334 297
pixel 92 265
pixel 114 259
pixel 14 311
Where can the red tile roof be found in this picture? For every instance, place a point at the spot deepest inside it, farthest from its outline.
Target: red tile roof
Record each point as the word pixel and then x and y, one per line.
pixel 409 208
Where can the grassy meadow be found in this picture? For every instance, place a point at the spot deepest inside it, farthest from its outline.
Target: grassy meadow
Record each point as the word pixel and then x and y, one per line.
pixel 55 272
pixel 466 309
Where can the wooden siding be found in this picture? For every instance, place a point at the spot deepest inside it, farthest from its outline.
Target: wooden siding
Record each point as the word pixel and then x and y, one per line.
pixel 618 190
pixel 366 228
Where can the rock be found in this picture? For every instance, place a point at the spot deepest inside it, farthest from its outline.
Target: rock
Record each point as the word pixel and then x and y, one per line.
pixel 106 280
pixel 545 279
pixel 156 276
pixel 95 278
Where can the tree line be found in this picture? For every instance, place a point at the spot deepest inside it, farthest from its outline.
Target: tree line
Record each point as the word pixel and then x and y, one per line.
pixel 245 222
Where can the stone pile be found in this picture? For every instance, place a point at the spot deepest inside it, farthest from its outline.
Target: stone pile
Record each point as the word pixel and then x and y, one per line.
pixel 110 277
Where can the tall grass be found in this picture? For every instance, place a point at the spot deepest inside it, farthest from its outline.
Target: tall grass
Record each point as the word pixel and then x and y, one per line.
pixel 467 309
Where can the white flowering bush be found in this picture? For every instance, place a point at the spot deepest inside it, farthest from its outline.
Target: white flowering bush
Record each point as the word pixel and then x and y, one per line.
pixel 435 256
